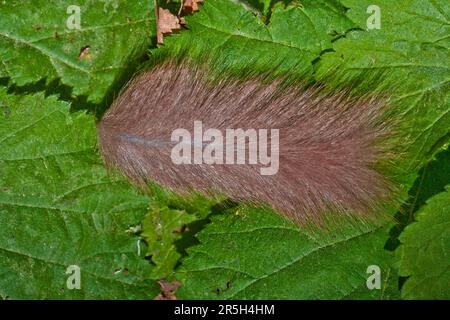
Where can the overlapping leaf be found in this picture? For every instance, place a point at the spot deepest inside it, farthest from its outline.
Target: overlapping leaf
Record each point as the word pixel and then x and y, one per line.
pixel 162 226
pixel 39 40
pixel 425 251
pixel 59 207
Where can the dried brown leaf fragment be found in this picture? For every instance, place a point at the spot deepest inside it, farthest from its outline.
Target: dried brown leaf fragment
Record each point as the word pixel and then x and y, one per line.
pixel 167 24
pixel 190 6
pixel 167 290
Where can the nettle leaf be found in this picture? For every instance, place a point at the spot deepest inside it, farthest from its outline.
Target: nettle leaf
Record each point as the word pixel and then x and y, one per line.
pixel 59 207
pixel 294 36
pixel 37 41
pixel 409 55
pixel 255 254
pixel 424 254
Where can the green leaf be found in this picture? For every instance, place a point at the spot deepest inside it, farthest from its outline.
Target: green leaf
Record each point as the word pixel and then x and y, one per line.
pixel 433 179
pixel 235 39
pixel 255 254
pixel 424 254
pixel 194 203
pixel 36 43
pixel 409 57
pixel 59 207
pixel 169 226
pixel 260 7
pixel 161 228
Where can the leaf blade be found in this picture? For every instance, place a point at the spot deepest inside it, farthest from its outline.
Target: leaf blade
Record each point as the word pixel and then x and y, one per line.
pixel 58 207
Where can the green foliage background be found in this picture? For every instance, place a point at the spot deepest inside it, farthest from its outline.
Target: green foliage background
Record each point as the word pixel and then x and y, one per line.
pixel 60 207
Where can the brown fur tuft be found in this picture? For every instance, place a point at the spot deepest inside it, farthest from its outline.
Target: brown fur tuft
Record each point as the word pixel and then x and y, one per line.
pixel 329 143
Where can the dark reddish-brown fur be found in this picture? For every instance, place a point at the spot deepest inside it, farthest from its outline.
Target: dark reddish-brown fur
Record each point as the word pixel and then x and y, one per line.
pixel 329 143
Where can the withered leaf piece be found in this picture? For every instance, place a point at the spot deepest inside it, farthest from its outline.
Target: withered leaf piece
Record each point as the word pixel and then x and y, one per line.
pixel 167 24
pixel 190 6
pixel 167 290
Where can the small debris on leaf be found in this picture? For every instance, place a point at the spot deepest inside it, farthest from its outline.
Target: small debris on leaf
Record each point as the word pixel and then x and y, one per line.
pixel 84 53
pixel 167 290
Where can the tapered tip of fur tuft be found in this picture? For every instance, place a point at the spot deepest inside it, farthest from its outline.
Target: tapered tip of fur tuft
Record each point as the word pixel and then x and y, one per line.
pixel 304 152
